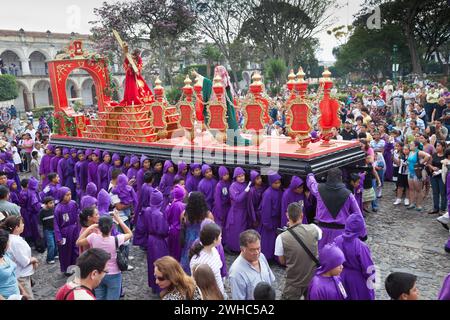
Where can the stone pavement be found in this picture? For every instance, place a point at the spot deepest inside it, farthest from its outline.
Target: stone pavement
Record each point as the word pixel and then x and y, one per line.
pixel 400 240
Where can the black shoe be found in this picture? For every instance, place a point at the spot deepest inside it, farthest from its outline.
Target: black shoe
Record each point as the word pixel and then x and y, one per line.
pixel 434 212
pixel 375 210
pixel 447 249
pixel 68 274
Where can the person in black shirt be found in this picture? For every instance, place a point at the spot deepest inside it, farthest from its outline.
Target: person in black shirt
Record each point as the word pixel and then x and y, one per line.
pixel 46 218
pixel 348 133
pixel 437 183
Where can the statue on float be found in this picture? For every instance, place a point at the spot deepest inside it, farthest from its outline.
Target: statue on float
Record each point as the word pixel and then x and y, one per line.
pixel 220 72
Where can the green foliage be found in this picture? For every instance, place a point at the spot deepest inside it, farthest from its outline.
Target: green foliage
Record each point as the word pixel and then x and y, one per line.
pixel 173 95
pixel 39 111
pixel 8 87
pixel 201 69
pixel 275 70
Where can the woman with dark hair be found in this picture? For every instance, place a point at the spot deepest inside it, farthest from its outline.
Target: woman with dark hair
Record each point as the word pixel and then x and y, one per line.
pixel 416 160
pixel 196 211
pixel 20 253
pixel 9 286
pixel 110 287
pixel 174 282
pixel 437 183
pixel 204 278
pixel 88 217
pixel 205 252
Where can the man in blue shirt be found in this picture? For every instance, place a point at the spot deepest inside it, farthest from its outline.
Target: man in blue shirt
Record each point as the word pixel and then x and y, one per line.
pixel 250 268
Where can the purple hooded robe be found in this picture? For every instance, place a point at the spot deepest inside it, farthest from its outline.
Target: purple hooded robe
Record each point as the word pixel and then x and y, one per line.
pixel 222 201
pixel 126 164
pixel 115 157
pixel 254 201
pixel 207 187
pixel 191 181
pixel 328 288
pixel 132 171
pixel 444 294
pixel 181 166
pixel 166 184
pixel 33 206
pixel 331 225
pixel 237 219
pixel 358 265
pixel 93 168
pixel 103 173
pixel 103 203
pixel 270 217
pixel 13 194
pixel 290 196
pixel 157 230
pixel 388 155
pixel 66 229
pixel 54 163
pixel 81 176
pixel 44 167
pixel 66 172
pixel 144 199
pixel 173 214
pixel 140 174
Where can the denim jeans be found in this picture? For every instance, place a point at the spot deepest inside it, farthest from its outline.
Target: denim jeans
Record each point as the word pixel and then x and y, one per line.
pixel 52 249
pixel 109 288
pixel 448 135
pixel 439 193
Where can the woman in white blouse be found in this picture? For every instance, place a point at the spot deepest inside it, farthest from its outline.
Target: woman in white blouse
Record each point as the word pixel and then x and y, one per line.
pixel 205 252
pixel 20 253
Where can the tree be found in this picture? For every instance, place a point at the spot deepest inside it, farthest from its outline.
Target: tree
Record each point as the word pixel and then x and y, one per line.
pixel 280 28
pixel 8 87
pixel 211 54
pixel 162 22
pixel 221 22
pixel 275 69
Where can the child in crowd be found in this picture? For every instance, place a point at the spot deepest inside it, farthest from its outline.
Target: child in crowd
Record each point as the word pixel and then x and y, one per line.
pixel 402 286
pixel 46 217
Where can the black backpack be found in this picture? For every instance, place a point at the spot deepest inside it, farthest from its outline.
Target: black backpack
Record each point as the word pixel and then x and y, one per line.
pixel 122 258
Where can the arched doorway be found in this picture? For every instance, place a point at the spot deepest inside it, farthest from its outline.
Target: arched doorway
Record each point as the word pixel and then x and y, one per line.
pixel 89 93
pixel 21 102
pixel 38 64
pixel 11 63
pixel 40 93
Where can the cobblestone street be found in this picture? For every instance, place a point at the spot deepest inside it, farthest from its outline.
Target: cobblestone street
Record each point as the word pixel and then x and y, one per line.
pixel 400 240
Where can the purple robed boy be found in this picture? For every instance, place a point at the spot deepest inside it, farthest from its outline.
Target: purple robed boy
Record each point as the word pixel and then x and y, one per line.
pixel 81 174
pixel 33 206
pixel 335 203
pixel 254 201
pixel 180 175
pixel 270 216
pixel 103 173
pixel 66 172
pixel 387 154
pixel 166 184
pixel 44 167
pixel 157 174
pixel 359 269
pixel 192 181
pixel 115 157
pixel 157 230
pixel 93 168
pixel 90 198
pixel 13 194
pixel 237 219
pixel 51 190
pixel 144 199
pixel 222 200
pixel 290 196
pixel 103 203
pixel 54 162
pixel 133 171
pixel 324 287
pixel 125 192
pixel 173 214
pixel 126 164
pixel 207 187
pixel 67 230
pixel 140 174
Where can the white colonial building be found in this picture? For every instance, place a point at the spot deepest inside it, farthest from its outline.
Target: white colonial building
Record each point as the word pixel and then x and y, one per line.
pixel 25 55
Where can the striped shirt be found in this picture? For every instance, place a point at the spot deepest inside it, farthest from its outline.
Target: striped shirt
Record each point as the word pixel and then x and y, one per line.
pixel 212 259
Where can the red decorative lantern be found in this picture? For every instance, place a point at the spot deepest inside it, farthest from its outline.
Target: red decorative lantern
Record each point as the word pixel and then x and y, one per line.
pixel 329 109
pixel 159 90
pixel 187 89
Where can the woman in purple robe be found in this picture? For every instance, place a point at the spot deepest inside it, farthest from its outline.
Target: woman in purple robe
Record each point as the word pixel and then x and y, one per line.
pixel 166 184
pixel 157 230
pixel 294 193
pixel 145 166
pixel 237 220
pixel 193 177
pixel 444 294
pixel 326 284
pixel 93 167
pixel 13 191
pixel 116 163
pixel 173 215
pixel 359 272
pixel 126 164
pixel 207 185
pixel 103 172
pixel 254 200
pixel 157 170
pixel 44 167
pixel 81 174
pixel 33 207
pixel 66 228
pixel 182 171
pixel 222 200
pixel 133 170
pixel 55 160
pixel 270 215
pixel 66 172
pixel 103 203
